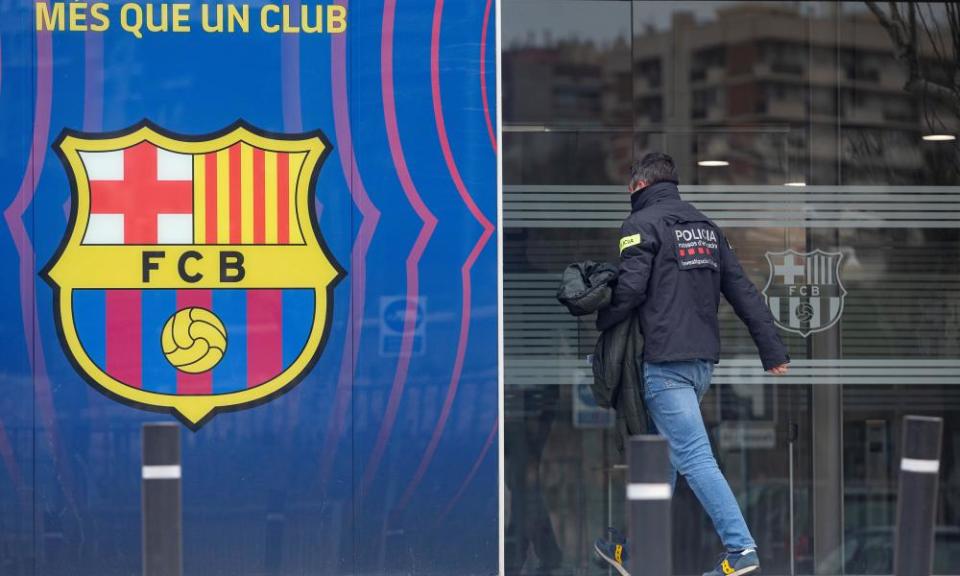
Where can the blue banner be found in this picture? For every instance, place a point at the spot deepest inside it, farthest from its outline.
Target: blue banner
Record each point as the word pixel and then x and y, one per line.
pixel 273 223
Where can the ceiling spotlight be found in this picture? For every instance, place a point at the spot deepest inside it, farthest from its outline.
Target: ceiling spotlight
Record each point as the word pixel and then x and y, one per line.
pixel 939 137
pixel 797 184
pixel 710 163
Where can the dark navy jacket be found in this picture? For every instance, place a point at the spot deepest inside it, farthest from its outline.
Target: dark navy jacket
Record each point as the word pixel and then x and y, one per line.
pixel 674 264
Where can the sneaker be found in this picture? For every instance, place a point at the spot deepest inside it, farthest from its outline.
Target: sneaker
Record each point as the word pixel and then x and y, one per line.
pixel 737 563
pixel 614 550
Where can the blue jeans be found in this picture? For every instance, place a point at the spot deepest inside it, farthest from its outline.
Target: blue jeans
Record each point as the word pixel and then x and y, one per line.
pixel 672 393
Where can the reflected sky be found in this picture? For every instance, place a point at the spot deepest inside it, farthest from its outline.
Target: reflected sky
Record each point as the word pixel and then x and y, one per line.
pixel 543 22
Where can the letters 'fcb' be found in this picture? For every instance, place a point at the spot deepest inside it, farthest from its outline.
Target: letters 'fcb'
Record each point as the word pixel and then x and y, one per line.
pixel 804 291
pixel 193 276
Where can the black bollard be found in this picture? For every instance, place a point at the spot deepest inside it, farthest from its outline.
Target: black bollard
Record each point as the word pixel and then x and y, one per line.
pixel 917 501
pixel 648 495
pixel 162 519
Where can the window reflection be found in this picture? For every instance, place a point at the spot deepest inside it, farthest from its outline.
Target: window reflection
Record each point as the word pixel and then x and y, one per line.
pixel 795 125
pixel 566 62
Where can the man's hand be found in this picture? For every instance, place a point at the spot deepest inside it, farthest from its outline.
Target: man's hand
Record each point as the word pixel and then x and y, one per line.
pixel 779 370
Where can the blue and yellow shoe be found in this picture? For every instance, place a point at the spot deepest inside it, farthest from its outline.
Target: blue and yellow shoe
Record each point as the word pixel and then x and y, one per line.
pixel 613 551
pixel 737 564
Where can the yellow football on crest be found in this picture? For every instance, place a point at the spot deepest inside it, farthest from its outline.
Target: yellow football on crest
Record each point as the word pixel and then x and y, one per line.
pixel 194 340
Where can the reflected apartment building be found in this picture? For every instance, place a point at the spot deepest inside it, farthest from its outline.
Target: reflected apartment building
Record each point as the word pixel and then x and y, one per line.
pixel 793 129
pixel 795 75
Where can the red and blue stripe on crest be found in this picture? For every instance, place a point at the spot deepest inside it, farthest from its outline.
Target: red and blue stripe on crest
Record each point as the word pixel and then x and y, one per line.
pixel 266 331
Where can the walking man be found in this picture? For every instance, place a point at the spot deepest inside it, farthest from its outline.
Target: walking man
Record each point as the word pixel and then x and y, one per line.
pixel 674 265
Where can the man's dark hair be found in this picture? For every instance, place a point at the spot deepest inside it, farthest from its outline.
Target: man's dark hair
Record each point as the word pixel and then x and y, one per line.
pixel 652 168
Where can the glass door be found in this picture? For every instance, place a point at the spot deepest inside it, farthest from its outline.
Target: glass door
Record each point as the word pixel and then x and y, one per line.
pixel 795 128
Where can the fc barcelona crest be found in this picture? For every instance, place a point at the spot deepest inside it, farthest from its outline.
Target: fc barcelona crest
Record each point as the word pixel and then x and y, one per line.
pixel 193 276
pixel 804 291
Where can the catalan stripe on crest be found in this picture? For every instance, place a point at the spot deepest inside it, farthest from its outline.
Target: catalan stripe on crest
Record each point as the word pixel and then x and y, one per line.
pixel 245 195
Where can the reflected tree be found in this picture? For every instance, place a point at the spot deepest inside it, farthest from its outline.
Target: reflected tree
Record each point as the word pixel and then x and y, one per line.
pixel 926 41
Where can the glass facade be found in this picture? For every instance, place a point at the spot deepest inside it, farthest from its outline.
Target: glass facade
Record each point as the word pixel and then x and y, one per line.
pixel 177 182
pixel 819 121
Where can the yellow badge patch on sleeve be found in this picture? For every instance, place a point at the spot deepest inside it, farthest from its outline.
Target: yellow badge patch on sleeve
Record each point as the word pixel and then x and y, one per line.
pixel 628 241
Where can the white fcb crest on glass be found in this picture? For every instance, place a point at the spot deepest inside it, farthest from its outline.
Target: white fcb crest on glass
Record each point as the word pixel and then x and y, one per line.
pixel 804 291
